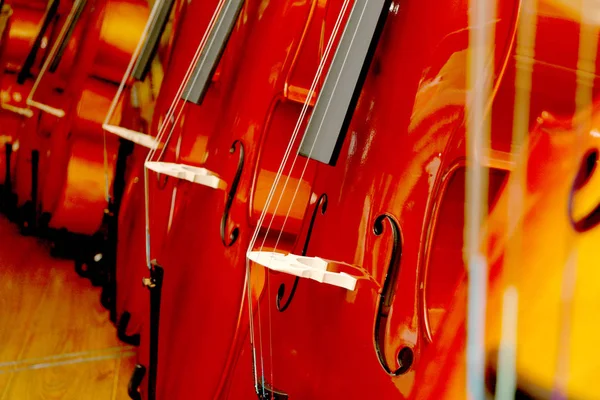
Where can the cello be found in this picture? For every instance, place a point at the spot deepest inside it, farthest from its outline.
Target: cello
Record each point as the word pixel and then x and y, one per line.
pixel 72 194
pixel 339 316
pixel 28 31
pixel 532 322
pixel 228 189
pixel 189 37
pixel 153 71
pixel 49 87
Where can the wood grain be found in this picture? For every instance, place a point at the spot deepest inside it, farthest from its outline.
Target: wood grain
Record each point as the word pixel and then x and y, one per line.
pixel 56 339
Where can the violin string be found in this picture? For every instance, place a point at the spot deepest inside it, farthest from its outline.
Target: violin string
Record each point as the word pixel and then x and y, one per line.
pixel 296 156
pixel 115 101
pixel 307 161
pixel 585 76
pixel 297 128
pixel 174 121
pixel 524 58
pixel 54 50
pixel 480 50
pixel 279 174
pixel 306 105
pixel 170 121
pixel 270 196
pixel 177 102
pixel 251 323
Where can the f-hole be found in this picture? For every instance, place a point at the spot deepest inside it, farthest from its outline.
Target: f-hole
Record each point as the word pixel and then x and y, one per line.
pixel 231 239
pixel 322 205
pixel 405 355
pixel 587 168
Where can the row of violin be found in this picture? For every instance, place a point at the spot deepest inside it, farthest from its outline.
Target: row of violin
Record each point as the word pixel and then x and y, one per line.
pixel 318 199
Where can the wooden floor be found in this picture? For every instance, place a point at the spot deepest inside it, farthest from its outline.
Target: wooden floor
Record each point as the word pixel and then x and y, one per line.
pixel 56 340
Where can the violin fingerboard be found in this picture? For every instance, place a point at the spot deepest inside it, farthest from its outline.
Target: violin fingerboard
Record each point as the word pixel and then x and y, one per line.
pixel 212 51
pixel 335 105
pixel 150 46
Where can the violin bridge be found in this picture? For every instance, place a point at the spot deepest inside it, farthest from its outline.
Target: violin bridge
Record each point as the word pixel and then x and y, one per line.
pixel 142 139
pixel 200 176
pixel 26 112
pixel 58 113
pixel 315 268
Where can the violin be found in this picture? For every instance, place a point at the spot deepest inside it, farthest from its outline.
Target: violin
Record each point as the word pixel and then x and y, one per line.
pixel 338 314
pixel 48 88
pixel 218 198
pixel 72 194
pixel 27 30
pixel 182 35
pixel 153 71
pixel 524 336
pixel 24 23
pixel 540 350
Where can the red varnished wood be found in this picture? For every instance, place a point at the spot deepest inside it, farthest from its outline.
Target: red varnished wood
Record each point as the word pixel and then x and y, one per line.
pixel 24 23
pixel 79 201
pixel 552 142
pixel 406 137
pixel 256 110
pixel 191 22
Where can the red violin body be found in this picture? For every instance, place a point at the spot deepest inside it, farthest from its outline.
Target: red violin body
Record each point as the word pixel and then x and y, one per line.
pixel 554 137
pixel 277 196
pixel 332 342
pixel 261 95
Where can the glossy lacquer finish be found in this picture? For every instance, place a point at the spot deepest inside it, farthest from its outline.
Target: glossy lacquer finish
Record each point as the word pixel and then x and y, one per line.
pixel 23 29
pixel 553 87
pixel 191 23
pixel 33 131
pixel 55 89
pixel 264 91
pixel 558 204
pixel 558 211
pixel 405 142
pixel 24 23
pixel 74 189
pixel 184 128
pixel 166 73
pixel 82 200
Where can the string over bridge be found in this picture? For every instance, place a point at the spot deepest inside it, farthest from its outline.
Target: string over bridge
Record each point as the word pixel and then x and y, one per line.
pixel 315 268
pixel 139 138
pixel 189 173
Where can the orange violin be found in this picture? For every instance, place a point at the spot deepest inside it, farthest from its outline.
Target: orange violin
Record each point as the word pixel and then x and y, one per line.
pixel 28 29
pixel 72 188
pixel 183 36
pixel 517 320
pixel 227 159
pixel 339 315
pixel 189 21
pixel 34 134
